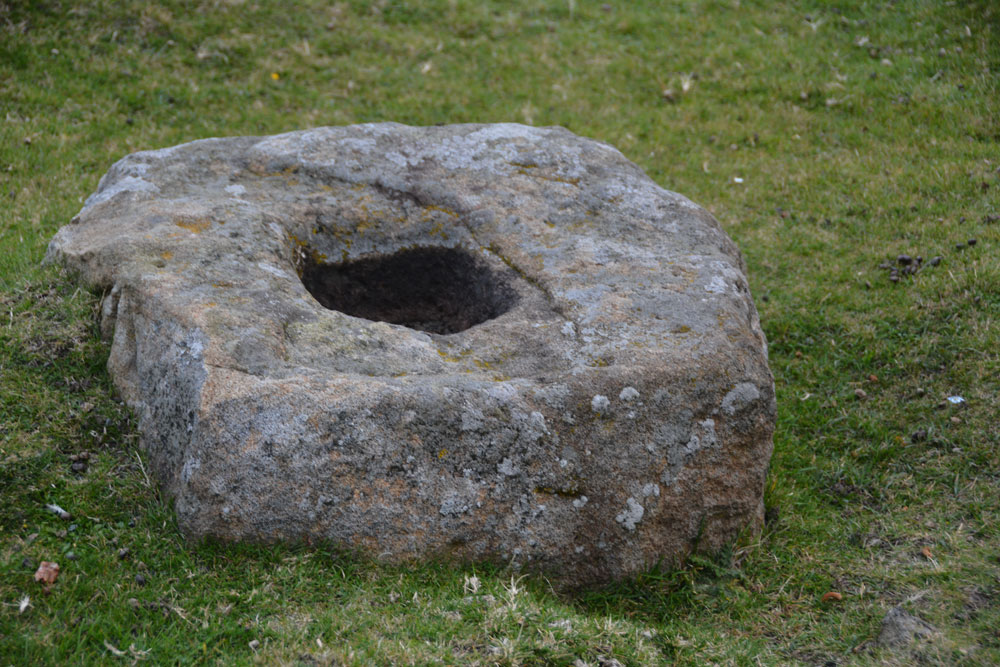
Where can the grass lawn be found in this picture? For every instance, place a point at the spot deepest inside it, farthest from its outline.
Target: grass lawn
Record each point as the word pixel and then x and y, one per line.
pixel 828 138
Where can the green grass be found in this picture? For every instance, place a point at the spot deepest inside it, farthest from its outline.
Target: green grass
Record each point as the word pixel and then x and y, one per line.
pixel 861 131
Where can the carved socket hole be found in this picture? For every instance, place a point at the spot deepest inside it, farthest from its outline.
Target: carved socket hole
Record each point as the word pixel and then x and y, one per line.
pixel 438 290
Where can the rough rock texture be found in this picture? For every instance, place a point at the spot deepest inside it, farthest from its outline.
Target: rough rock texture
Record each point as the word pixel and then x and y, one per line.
pixel 900 628
pixel 569 374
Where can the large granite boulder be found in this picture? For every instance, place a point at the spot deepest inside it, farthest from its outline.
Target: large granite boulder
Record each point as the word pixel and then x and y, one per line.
pixel 484 342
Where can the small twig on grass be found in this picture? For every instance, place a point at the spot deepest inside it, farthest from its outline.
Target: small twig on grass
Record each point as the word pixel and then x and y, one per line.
pixel 143 469
pixel 58 511
pixel 116 652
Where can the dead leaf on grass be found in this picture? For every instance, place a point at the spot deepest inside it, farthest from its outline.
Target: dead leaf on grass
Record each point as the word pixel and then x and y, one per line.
pixel 47 572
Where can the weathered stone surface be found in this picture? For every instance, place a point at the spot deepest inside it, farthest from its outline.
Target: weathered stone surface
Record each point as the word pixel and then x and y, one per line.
pixel 900 628
pixel 582 387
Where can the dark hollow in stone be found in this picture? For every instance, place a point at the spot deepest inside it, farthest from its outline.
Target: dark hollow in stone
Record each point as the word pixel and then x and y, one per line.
pixel 438 290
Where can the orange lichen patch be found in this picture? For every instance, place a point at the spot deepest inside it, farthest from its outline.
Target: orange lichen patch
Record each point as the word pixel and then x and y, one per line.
pixel 166 254
pixel 545 177
pixel 222 283
pixel 196 226
pixel 683 272
pixel 447 211
pixel 438 230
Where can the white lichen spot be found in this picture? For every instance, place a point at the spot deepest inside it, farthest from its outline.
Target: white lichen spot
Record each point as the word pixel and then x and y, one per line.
pixel 740 397
pixel 273 270
pixel 397 159
pixel 569 329
pixel 580 502
pixel 453 504
pixel 708 429
pixel 507 467
pixel 629 394
pixel 631 515
pixel 126 184
pixel 189 468
pixel 716 285
pixel 235 189
pixel 472 418
pixel 579 550
pixel 600 403
pixel 651 490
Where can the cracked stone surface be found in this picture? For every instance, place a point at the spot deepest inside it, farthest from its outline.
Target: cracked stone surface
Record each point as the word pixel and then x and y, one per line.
pixel 532 353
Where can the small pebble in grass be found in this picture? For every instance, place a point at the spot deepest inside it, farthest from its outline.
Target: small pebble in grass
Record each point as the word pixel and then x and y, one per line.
pixel 920 391
pixel 860 394
pixel 872 377
pixel 918 436
pixel 904 259
pixel 935 260
pixel 894 277
pixel 79 466
pixel 71 555
pixel 132 602
pixel 971 242
pixel 959 246
pixel 140 579
pixel 254 645
pixel 123 553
